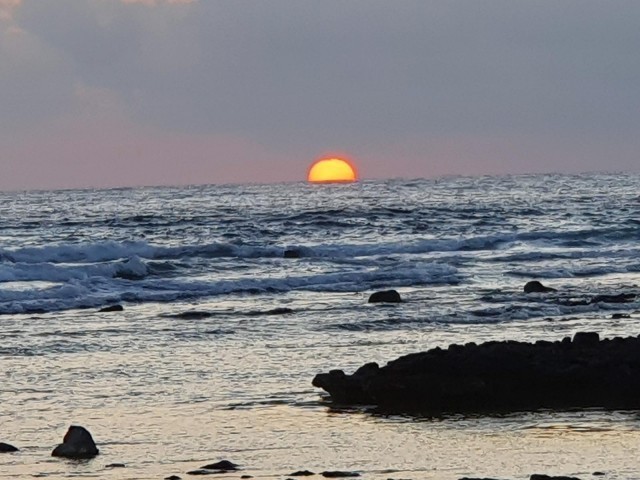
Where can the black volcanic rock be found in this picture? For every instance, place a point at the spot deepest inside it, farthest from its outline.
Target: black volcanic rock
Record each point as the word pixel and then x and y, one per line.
pixel 6 448
pixel 225 465
pixel 387 296
pixel 498 377
pixel 537 287
pixel 339 474
pixel 77 443
pixel 111 308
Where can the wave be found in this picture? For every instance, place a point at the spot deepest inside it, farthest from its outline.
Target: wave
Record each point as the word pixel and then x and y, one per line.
pixel 95 291
pixel 106 251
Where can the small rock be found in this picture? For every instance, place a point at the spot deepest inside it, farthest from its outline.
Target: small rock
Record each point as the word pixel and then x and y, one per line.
pixel 246 476
pixel 115 465
pixel 173 477
pixel 598 474
pixel 537 287
pixel 538 476
pixel 77 443
pixel 386 296
pixel 6 448
pixel 202 471
pixel 221 465
pixel 301 473
pixel 339 474
pixel 112 308
pixel 476 478
pixel 617 316
pixel 291 254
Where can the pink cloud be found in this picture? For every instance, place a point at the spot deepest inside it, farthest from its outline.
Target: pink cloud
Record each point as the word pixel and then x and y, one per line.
pixel 7 8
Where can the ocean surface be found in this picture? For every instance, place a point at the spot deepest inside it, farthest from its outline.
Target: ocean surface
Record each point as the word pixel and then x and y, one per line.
pixel 199 367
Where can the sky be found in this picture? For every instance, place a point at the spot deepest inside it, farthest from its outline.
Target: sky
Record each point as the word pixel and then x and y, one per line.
pixel 106 93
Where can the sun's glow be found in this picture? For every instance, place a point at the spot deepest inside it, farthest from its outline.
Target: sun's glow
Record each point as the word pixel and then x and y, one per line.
pixel 332 170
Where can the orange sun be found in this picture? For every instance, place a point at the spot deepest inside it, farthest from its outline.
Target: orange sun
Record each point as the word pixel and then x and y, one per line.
pixel 332 170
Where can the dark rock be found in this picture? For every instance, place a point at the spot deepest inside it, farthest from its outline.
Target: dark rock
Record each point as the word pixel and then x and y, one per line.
pixel 112 308
pixel 537 476
pixel 6 448
pixel 476 478
pixel 202 471
pixel 497 377
pixel 221 465
pixel 115 465
pixel 537 287
pixel 291 254
pixel 77 443
pixel 387 296
pixel 618 316
pixel 273 311
pixel 339 474
pixel 301 473
pixel 246 476
pixel 173 477
pixel 193 315
pixel 598 474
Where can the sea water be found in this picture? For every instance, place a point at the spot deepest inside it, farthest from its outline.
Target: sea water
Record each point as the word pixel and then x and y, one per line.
pixel 200 366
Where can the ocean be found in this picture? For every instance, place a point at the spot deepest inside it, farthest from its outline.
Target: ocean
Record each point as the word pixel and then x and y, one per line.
pixel 220 335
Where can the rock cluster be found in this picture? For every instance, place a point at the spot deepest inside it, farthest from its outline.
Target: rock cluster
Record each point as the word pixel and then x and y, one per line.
pixel 498 377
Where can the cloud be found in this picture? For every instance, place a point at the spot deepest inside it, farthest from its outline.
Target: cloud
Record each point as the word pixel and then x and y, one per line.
pixel 7 9
pixel 426 80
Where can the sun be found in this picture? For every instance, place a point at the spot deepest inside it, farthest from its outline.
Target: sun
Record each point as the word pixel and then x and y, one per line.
pixel 332 170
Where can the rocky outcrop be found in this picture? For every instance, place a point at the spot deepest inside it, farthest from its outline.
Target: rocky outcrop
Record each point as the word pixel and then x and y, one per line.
pixel 498 376
pixel 537 287
pixel 386 296
pixel 77 443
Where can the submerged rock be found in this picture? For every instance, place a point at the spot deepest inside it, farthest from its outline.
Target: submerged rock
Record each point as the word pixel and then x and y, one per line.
pixel 339 474
pixel 273 311
pixel 498 377
pixel 386 296
pixel 77 443
pixel 537 287
pixel 111 308
pixel 225 465
pixel 620 298
pixel 539 476
pixel 6 448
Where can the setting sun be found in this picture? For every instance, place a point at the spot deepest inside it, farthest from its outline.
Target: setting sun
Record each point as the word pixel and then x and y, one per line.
pixel 331 170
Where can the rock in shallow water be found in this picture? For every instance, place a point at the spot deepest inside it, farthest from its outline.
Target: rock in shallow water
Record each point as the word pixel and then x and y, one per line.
pixel 498 377
pixel 225 465
pixel 537 287
pixel 6 448
pixel 385 296
pixel 339 474
pixel 77 443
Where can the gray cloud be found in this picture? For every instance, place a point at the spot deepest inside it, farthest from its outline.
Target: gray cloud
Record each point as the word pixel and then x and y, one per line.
pixel 309 73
